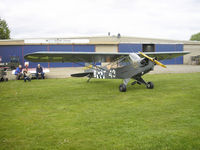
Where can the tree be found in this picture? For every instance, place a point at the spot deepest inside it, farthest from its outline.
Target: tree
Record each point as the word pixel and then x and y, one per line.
pixel 4 30
pixel 195 37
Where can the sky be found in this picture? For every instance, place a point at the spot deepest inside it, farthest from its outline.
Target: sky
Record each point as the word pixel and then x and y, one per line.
pixel 166 19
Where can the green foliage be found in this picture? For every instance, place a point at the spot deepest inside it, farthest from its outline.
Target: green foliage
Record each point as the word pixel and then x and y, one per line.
pixel 71 114
pixel 4 30
pixel 195 37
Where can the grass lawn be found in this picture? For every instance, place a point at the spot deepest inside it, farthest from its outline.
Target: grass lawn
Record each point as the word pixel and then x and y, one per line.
pixel 72 114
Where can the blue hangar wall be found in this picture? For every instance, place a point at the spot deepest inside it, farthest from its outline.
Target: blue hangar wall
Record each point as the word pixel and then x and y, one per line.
pixel 6 51
pixel 157 48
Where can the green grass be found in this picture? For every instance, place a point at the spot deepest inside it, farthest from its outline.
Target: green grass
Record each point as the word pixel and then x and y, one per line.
pixel 72 114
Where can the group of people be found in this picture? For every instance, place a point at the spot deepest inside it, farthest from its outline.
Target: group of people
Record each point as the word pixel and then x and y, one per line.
pixel 20 72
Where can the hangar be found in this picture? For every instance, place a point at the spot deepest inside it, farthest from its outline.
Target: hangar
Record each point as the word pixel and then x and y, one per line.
pixel 21 47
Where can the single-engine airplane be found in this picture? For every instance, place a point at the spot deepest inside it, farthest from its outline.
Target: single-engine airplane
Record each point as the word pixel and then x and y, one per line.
pixel 124 66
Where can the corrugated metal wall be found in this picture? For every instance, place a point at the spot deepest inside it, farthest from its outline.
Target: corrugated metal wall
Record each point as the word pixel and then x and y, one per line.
pixel 158 48
pixel 129 47
pixel 170 47
pixel 26 49
pixel 7 51
pixel 66 48
pixel 82 48
pixel 70 48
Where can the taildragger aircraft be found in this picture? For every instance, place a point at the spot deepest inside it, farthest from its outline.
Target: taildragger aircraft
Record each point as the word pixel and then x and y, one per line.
pixel 124 66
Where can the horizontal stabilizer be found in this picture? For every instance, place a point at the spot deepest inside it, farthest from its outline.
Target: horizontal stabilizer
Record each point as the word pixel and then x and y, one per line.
pixel 82 74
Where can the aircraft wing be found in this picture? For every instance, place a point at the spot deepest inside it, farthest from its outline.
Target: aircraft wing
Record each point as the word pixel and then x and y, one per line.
pixel 73 56
pixel 166 55
pixel 44 56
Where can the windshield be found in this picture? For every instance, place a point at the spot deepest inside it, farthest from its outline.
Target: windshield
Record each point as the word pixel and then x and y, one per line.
pixel 134 57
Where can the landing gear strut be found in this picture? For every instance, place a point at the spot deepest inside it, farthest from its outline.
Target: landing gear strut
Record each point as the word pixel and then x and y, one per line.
pixel 89 78
pixel 140 81
pixel 133 83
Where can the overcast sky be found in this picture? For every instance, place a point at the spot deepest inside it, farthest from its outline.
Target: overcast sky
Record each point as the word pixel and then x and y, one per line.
pixel 168 19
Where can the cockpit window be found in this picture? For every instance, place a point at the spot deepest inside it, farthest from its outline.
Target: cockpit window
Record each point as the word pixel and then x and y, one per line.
pixel 119 63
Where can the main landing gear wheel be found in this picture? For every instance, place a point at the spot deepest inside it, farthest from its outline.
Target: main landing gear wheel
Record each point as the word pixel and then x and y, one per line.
pixel 150 85
pixel 122 88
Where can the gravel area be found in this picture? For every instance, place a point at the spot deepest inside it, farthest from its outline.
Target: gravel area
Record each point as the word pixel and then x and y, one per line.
pixel 176 69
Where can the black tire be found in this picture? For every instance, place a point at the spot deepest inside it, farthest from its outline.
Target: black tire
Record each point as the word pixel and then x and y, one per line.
pixel 122 88
pixel 150 85
pixel 6 79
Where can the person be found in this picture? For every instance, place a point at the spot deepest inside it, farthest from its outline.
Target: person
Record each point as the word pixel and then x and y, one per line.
pixel 26 74
pixel 18 72
pixel 39 71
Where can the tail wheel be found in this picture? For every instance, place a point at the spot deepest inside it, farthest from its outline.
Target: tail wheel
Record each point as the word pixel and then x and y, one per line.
pixel 122 88
pixel 150 85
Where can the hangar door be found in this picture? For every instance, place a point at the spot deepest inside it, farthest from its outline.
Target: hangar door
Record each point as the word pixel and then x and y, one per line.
pixel 8 51
pixel 26 49
pixel 70 48
pixel 130 48
pixel 106 48
pixel 170 47
pixel 66 48
pixel 154 47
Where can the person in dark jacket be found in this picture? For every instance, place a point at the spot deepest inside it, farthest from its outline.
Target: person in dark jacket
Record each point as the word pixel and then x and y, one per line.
pixel 18 72
pixel 39 71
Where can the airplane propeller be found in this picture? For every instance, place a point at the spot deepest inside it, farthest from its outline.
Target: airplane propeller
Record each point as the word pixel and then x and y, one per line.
pixel 153 60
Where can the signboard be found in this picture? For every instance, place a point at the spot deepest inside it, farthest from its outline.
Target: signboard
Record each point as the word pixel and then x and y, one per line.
pixel 57 41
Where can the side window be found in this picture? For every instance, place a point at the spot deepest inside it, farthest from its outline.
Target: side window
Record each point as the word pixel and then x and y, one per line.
pixel 125 62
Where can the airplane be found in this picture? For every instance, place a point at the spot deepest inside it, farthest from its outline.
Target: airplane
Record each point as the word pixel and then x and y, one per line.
pixel 124 66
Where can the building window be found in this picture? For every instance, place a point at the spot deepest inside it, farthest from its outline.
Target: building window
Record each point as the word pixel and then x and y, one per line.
pixel 148 47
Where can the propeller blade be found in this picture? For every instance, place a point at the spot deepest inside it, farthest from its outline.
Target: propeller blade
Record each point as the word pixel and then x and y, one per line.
pixel 153 60
pixel 159 63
